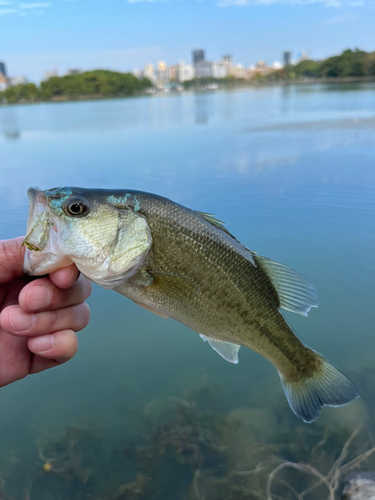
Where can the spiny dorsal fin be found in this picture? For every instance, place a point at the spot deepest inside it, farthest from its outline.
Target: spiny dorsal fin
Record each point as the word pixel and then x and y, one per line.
pixel 215 222
pixel 227 350
pixel 296 293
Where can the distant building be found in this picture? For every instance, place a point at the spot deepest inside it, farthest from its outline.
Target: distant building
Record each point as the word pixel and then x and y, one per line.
pixel 163 74
pixel 198 56
pixel 3 82
pixel 220 69
pixel 238 71
pixel 227 60
pixel 173 71
pixel 185 72
pixel 203 69
pixel 276 65
pixel 17 80
pixel 303 57
pixel 149 72
pixel 162 66
pixel 74 71
pixel 3 70
pixel 260 69
pixel 287 58
pixel 137 73
pixel 51 74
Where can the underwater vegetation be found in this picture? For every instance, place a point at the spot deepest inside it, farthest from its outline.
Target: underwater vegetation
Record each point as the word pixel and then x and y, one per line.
pixel 187 447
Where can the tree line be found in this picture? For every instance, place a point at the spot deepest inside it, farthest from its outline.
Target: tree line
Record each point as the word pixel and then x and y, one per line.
pixel 99 83
pixel 103 83
pixel 351 63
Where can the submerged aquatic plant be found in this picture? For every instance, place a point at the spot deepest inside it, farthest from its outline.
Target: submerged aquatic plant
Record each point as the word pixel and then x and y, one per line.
pixel 331 480
pixel 187 447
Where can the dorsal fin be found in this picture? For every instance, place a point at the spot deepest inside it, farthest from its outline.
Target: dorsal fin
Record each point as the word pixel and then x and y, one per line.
pixel 227 350
pixel 215 222
pixel 296 293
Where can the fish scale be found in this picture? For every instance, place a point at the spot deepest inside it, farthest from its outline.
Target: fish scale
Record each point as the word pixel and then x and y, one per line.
pixel 185 265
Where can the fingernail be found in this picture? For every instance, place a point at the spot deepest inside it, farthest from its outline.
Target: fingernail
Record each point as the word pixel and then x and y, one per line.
pixel 38 298
pixel 42 344
pixel 19 320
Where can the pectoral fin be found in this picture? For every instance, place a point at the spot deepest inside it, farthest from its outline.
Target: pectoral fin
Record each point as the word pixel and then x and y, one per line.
pixel 227 350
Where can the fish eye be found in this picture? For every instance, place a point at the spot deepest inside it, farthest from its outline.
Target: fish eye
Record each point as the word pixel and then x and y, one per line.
pixel 77 207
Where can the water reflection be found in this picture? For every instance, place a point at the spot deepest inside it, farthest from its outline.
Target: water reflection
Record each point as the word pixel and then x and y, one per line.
pixel 291 172
pixel 12 135
pixel 201 109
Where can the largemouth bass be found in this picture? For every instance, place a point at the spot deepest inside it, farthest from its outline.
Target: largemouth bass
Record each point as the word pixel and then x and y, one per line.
pixel 185 265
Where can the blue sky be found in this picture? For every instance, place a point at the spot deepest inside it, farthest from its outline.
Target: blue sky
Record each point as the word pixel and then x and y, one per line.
pixel 127 34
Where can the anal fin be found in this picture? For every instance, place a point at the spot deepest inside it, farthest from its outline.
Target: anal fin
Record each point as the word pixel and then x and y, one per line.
pixel 227 350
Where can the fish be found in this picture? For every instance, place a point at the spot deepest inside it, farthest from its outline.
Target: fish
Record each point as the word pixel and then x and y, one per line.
pixel 184 264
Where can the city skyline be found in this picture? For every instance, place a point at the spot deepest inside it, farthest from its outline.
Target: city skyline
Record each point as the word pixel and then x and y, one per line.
pixel 64 34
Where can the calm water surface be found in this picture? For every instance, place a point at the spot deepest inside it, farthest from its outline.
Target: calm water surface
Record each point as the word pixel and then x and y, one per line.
pixel 146 409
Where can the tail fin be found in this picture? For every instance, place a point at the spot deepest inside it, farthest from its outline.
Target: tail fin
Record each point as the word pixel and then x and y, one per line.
pixel 329 387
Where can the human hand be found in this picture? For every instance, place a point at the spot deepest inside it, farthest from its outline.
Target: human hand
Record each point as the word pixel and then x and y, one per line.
pixel 38 317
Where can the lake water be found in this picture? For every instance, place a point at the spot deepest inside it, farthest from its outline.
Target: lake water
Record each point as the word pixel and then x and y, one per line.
pixel 146 410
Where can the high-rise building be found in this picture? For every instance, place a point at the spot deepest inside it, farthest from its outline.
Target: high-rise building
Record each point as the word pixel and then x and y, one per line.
pixel 220 69
pixel 203 69
pixel 227 60
pixel 74 71
pixel 149 72
pixel 3 82
pixel 185 72
pixel 17 80
pixel 162 66
pixel 3 70
pixel 198 56
pixel 287 57
pixel 163 74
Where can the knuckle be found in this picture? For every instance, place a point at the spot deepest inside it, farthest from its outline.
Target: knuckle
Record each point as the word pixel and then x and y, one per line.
pixel 84 288
pixel 84 315
pixel 70 345
pixel 79 317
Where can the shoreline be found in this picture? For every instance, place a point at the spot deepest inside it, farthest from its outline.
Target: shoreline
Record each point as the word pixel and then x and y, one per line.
pixel 199 89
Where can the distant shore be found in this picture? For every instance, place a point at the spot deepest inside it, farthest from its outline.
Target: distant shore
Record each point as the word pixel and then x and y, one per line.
pixel 198 88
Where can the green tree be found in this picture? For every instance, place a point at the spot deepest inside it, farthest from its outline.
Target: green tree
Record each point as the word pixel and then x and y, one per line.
pixel 24 92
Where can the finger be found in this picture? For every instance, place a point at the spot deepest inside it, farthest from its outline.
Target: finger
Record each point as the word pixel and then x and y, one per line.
pixel 42 294
pixel 17 322
pixel 14 358
pixel 11 259
pixel 53 349
pixel 65 277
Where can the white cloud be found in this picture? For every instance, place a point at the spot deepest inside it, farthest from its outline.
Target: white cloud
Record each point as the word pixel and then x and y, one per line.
pixel 246 3
pixel 4 12
pixel 40 5
pixel 148 1
pixel 325 3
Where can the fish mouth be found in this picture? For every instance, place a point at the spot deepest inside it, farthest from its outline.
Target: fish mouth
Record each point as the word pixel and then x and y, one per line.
pixel 42 240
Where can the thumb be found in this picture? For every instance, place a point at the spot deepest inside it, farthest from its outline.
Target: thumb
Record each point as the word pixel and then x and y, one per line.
pixel 11 259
